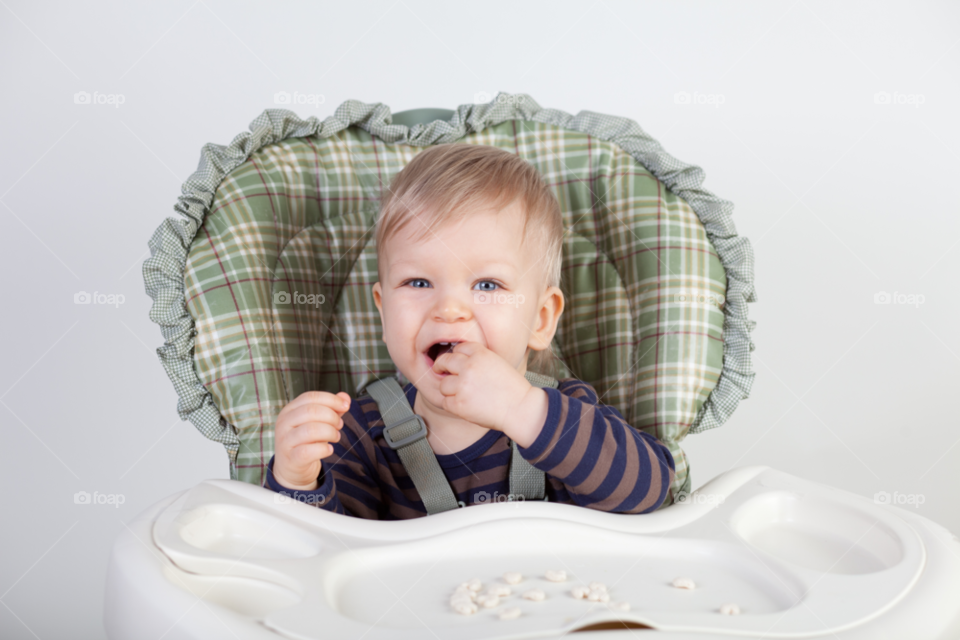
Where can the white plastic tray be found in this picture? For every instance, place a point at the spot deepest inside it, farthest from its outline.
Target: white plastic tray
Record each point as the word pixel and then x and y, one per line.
pixel 798 558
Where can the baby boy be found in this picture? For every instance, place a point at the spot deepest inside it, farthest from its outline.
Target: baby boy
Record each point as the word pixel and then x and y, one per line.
pixel 469 247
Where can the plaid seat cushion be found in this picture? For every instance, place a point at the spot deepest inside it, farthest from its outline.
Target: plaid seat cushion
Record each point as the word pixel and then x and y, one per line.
pixel 277 280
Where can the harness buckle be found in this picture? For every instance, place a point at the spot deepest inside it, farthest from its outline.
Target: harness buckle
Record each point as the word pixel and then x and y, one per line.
pixel 402 442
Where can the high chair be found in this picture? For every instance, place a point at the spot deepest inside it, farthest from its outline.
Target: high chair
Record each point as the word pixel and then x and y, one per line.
pixel 262 292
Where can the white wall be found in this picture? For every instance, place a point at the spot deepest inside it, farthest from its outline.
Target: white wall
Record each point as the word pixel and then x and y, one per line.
pixel 841 197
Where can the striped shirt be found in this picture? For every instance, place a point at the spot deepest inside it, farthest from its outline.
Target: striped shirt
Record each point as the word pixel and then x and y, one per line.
pixel 590 455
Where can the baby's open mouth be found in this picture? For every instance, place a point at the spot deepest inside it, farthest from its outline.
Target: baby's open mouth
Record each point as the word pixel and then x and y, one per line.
pixel 439 348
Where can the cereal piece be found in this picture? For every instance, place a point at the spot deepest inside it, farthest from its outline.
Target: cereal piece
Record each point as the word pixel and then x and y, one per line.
pixel 498 590
pixel 465 608
pixel 596 595
pixel 488 602
pixel 619 606
pixel 684 583
pixel 475 584
pixel 730 609
pixel 512 577
pixel 599 586
pixel 556 576
pixel 537 595
pixel 463 596
pixel 510 613
pixel 581 593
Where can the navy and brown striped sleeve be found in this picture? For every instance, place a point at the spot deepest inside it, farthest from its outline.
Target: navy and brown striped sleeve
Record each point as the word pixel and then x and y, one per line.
pixel 347 482
pixel 603 462
pixel 324 496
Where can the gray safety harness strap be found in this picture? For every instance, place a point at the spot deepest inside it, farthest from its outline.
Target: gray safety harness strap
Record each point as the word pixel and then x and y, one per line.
pixel 406 433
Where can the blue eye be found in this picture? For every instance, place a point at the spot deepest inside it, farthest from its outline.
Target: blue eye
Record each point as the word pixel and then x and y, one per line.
pixel 490 282
pixel 418 280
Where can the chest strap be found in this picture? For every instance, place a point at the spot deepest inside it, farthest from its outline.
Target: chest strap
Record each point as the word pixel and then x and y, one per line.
pixel 406 433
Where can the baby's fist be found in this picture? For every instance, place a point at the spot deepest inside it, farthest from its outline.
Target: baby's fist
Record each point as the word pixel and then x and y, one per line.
pixel 304 433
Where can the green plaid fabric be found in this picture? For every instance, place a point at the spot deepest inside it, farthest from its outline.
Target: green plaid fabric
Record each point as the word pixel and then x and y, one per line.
pixel 275 284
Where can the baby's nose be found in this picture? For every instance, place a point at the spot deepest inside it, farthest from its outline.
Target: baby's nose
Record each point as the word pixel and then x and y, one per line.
pixel 451 308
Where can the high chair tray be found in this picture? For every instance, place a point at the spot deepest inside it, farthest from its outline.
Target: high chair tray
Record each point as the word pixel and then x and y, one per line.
pixel 798 558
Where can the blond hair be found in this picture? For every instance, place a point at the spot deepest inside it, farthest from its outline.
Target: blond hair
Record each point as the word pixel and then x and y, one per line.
pixel 447 182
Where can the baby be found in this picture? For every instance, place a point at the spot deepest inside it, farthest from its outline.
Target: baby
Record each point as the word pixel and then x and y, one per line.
pixel 469 248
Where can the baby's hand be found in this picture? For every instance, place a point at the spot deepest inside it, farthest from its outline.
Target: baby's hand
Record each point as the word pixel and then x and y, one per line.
pixel 303 433
pixel 482 388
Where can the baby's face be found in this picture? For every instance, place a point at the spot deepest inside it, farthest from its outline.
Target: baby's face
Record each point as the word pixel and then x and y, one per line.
pixel 467 281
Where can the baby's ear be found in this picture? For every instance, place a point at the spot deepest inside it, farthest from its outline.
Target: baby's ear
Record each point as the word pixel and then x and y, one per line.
pixel 378 300
pixel 551 305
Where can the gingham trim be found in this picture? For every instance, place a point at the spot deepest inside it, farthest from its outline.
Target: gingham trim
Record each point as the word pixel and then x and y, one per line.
pixel 164 270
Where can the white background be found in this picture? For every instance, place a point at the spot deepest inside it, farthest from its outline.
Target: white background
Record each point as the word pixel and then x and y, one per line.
pixel 840 196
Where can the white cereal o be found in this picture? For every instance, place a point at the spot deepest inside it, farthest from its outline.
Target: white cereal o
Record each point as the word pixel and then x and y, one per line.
pixel 488 602
pixel 730 609
pixel 475 584
pixel 465 608
pixel 581 593
pixel 537 595
pixel 498 590
pixel 556 576
pixel 684 583
pixel 596 595
pixel 619 606
pixel 510 613
pixel 512 577
pixel 598 586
